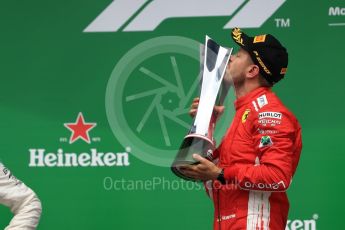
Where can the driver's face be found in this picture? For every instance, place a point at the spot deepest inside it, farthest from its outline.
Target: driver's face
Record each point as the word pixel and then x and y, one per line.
pixel 237 66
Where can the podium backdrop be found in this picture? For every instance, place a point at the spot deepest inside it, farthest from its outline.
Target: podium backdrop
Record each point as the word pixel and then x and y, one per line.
pixel 94 98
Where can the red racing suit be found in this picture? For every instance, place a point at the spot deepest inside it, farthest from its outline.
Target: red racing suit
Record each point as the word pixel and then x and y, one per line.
pixel 259 154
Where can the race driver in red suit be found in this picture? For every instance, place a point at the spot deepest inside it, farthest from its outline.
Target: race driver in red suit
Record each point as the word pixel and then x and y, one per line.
pixel 258 155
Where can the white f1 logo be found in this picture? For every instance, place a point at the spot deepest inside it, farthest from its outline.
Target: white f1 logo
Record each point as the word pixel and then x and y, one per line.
pixel 252 14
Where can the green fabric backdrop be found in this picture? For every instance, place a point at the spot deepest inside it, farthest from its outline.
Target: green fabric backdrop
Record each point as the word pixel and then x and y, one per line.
pixel 51 70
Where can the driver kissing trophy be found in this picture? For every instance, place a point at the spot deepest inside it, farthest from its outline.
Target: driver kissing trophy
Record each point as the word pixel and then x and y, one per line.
pixel 200 139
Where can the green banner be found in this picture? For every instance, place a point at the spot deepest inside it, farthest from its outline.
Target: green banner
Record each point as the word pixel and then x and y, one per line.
pixel 95 98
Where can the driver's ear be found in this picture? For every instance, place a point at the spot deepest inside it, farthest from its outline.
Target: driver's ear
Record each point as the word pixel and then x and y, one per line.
pixel 253 71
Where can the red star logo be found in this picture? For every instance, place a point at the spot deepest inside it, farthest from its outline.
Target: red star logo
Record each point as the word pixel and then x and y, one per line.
pixel 80 129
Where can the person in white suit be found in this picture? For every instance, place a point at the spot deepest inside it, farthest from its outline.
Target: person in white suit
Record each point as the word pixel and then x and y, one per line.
pixel 23 202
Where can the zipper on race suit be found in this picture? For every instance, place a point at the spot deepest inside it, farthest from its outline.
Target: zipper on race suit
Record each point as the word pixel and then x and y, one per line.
pixel 218 210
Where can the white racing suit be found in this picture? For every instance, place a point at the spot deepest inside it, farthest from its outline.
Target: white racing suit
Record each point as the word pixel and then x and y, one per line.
pixel 22 201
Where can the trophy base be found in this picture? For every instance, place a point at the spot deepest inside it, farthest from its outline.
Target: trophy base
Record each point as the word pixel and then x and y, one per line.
pixel 191 144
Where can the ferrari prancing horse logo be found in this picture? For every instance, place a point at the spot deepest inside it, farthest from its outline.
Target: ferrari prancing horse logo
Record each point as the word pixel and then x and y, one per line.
pixel 245 115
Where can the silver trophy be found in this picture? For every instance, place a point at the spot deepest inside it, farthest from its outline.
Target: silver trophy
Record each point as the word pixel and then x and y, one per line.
pixel 199 139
